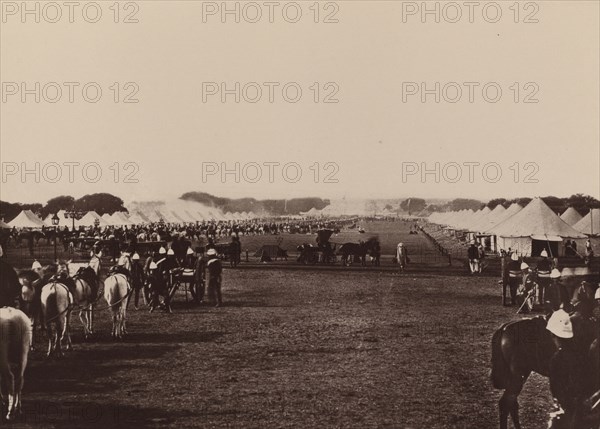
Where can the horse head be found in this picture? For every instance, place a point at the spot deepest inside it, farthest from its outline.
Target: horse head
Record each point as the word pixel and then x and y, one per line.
pixel 31 284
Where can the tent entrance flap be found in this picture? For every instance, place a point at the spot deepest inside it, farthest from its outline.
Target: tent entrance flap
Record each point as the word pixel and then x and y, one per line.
pixel 538 246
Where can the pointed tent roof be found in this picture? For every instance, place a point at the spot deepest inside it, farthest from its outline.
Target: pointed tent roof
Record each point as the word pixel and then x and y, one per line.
pixel 123 218
pixel 590 224
pixel 62 218
pixel 571 216
pixel 107 218
pixel 488 221
pixel 535 220
pixel 512 210
pixel 26 219
pixel 136 218
pixel 177 217
pixel 4 224
pixel 89 219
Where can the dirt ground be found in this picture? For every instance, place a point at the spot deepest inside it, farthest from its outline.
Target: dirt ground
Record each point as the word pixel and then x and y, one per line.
pixel 293 349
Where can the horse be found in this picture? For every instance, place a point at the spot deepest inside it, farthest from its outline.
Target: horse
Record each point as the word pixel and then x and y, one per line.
pixel 15 333
pixel 309 254
pixel 30 299
pixel 56 306
pixel 359 250
pixel 520 348
pixel 10 287
pixel 116 291
pixel 85 292
pixel 579 395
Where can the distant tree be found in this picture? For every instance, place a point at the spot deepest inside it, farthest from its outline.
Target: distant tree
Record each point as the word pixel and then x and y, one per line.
pixel 413 205
pixel 497 201
pixel 582 203
pixel 464 204
pixel 101 203
pixel 8 211
pixel 63 202
pixel 558 205
pixel 523 201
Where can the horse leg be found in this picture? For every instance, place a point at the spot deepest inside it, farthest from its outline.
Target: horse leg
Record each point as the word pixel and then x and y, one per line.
pixel 114 321
pixel 124 318
pixel 90 314
pixel 66 332
pixel 83 320
pixel 31 346
pixel 509 404
pixel 9 382
pixel 61 332
pixel 50 335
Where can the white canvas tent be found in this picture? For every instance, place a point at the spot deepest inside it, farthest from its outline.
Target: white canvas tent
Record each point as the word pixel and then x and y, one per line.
pixel 488 221
pixel 590 224
pixel 89 219
pixel 532 229
pixel 571 216
pixel 26 219
pixel 137 219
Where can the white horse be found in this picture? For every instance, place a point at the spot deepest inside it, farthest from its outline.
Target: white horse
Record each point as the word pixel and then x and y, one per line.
pixel 15 333
pixel 57 303
pixel 85 292
pixel 116 289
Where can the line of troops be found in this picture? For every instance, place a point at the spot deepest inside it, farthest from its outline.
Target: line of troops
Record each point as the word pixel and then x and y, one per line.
pixel 156 275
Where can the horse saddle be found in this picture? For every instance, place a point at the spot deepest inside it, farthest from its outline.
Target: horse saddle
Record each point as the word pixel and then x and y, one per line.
pixel 68 282
pixel 118 269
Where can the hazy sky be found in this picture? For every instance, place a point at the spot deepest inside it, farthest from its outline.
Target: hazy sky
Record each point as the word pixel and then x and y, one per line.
pixel 367 60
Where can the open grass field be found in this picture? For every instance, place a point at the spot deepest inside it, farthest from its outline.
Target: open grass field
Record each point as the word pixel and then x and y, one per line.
pixel 309 350
pixel 291 349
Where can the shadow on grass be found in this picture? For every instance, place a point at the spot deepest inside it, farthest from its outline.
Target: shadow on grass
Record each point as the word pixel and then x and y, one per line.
pixel 85 414
pixel 80 371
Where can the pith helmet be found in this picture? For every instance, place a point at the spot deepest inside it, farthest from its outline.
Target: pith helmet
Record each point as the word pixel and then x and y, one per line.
pixel 560 324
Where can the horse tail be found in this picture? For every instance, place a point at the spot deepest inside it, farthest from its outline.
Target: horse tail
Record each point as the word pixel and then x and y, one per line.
pixel 500 369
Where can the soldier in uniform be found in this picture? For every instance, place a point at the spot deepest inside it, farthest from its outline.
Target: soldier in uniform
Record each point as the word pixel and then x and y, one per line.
pixel 514 277
pixel 214 270
pixel 137 279
pixel 200 269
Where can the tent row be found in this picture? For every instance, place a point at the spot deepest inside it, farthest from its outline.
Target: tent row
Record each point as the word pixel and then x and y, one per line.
pixel 28 219
pixel 527 230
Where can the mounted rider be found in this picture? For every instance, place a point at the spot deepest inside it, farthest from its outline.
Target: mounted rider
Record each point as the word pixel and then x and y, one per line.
pixel 574 332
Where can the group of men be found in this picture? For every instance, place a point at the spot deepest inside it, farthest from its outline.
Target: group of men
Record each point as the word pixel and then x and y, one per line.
pixel 155 277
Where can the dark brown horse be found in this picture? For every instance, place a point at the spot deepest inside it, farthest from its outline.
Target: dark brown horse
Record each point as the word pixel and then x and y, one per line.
pixel 10 288
pixel 577 391
pixel 358 250
pixel 522 347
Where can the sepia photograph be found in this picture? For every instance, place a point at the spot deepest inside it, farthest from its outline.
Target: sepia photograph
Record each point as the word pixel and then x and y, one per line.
pixel 312 214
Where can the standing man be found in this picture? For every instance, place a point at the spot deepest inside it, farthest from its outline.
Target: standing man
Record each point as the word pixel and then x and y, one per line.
pixel 401 256
pixel 473 255
pixel 200 273
pixel 214 269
